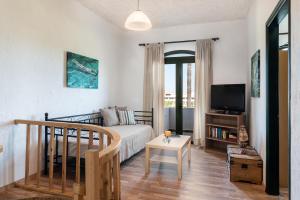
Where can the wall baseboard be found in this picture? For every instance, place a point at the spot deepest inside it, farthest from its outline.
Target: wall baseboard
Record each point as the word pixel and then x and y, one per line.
pixel 6 187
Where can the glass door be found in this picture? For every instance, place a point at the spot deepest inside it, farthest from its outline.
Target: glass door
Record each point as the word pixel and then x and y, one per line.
pixel 179 94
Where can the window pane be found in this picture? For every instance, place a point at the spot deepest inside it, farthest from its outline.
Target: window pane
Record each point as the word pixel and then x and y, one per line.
pixel 188 97
pixel 170 97
pixel 170 85
pixel 188 79
pixel 178 55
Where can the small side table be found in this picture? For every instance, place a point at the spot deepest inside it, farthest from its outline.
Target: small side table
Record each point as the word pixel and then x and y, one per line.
pixel 181 144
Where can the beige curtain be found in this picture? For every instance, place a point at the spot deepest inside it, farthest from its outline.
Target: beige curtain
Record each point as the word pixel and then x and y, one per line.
pixel 203 82
pixel 154 84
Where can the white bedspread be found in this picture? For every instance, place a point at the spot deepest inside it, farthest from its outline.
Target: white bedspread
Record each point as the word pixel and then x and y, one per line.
pixel 133 139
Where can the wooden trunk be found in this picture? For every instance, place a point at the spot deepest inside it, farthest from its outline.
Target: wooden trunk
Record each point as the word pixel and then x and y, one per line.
pixel 246 167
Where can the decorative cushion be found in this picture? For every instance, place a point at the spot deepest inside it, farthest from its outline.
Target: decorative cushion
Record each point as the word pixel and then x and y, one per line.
pixel 121 108
pixel 110 117
pixel 118 107
pixel 126 117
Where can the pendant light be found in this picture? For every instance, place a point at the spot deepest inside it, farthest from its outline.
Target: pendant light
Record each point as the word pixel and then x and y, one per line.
pixel 138 21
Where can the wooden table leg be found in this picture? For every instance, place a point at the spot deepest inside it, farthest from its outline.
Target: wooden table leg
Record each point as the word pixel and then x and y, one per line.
pixel 147 161
pixel 179 157
pixel 189 153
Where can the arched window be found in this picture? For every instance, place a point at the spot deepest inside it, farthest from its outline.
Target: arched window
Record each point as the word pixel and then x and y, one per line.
pixel 179 53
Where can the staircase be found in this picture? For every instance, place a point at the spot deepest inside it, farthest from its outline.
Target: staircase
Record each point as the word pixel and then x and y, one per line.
pixel 102 165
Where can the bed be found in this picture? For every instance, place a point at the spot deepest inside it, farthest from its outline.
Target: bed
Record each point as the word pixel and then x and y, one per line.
pixel 133 137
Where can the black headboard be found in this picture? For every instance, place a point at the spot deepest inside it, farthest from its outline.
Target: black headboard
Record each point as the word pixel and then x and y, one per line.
pixel 141 117
pixel 89 118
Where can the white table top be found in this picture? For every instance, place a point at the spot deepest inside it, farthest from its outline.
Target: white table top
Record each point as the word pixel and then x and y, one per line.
pixel 176 142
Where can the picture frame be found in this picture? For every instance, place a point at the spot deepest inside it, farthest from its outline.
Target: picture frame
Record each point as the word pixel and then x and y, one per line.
pixel 255 74
pixel 82 71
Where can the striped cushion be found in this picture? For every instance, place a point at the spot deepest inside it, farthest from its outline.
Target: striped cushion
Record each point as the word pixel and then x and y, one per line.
pixel 126 117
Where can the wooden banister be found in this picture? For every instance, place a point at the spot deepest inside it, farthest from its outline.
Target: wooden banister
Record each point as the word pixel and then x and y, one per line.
pixel 116 175
pixel 64 162
pixel 92 172
pixel 101 146
pixel 27 159
pixel 51 158
pixel 77 178
pixel 39 153
pixel 91 139
pixel 102 165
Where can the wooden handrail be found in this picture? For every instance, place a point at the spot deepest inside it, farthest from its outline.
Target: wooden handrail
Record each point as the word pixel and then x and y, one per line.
pixel 102 166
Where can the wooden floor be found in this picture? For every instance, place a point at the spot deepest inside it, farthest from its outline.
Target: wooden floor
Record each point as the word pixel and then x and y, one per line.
pixel 206 179
pixel 18 194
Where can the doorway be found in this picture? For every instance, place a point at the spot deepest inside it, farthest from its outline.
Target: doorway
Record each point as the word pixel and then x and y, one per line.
pixel 179 91
pixel 278 99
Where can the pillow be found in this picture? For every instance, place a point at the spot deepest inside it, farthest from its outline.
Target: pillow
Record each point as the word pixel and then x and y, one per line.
pixel 121 108
pixel 110 117
pixel 126 117
pixel 117 107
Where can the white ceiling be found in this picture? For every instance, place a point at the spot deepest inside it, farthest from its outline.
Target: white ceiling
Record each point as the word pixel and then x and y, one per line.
pixel 164 13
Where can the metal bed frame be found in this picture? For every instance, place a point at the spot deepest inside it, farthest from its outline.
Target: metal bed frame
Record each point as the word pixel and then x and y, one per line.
pixel 141 117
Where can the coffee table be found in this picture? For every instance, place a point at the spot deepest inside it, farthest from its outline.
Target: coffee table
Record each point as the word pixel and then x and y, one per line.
pixel 181 144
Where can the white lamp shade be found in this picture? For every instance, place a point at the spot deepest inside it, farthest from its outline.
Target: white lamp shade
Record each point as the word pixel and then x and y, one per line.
pixel 138 21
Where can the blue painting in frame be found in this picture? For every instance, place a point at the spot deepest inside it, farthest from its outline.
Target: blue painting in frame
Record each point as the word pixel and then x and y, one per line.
pixel 82 71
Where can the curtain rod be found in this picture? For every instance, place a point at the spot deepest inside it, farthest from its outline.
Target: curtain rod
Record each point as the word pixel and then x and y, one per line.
pixel 182 41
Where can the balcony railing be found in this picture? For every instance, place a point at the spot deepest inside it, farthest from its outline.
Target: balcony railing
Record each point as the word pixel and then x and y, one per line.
pixel 187 119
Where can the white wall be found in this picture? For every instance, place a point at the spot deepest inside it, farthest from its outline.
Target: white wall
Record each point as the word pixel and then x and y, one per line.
pixel 229 54
pixel 258 15
pixel 295 104
pixel 34 36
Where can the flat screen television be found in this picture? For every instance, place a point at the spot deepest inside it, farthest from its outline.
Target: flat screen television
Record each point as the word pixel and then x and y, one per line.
pixel 229 98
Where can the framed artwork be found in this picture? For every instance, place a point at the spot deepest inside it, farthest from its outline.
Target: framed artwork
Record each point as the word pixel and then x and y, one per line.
pixel 255 74
pixel 82 71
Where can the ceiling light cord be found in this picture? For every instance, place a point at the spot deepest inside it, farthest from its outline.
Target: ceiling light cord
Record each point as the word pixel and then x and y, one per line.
pixel 138 3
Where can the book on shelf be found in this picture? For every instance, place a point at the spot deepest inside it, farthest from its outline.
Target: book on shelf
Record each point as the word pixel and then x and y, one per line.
pixel 219 133
pixel 222 129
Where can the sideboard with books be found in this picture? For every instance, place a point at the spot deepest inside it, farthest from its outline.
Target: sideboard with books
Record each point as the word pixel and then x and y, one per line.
pixel 222 129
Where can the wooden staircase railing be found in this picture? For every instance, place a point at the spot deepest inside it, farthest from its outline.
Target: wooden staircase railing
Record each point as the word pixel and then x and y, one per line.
pixel 102 165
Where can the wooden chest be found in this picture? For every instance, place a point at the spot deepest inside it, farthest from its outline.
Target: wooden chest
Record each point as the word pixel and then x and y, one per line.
pixel 245 164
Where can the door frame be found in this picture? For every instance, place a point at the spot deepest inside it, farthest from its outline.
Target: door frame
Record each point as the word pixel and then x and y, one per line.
pixel 272 101
pixel 178 61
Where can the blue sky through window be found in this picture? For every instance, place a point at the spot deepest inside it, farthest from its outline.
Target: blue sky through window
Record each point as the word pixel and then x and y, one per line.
pixel 170 79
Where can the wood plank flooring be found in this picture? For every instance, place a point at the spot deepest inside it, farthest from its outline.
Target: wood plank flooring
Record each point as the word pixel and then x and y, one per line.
pixel 206 179
pixel 18 194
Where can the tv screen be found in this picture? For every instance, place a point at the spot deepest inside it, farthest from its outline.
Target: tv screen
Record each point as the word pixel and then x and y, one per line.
pixel 228 97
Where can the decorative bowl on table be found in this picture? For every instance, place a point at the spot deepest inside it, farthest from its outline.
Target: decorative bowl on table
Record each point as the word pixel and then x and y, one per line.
pixel 167 135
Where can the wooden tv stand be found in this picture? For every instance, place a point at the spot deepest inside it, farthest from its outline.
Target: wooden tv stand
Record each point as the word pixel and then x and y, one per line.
pixel 222 129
